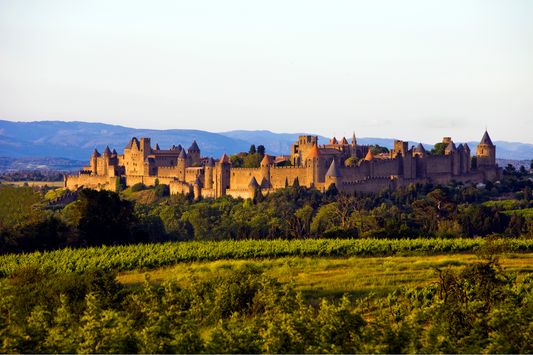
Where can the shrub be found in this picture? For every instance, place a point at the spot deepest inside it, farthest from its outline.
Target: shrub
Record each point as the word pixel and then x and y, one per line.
pixel 137 187
pixel 162 190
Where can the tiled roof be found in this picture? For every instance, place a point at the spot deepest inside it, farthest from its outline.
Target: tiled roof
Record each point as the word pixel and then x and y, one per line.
pixel 333 141
pixel 369 155
pixel 268 159
pixel 224 159
pixel 314 153
pixel 333 170
pixel 157 147
pixel 343 141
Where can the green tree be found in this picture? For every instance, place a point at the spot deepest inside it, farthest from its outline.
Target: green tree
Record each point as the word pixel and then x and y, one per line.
pixel 252 149
pixel 103 218
pixel 261 150
pixel 438 148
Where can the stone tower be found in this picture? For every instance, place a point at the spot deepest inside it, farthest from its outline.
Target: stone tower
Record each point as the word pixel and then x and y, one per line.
pixel 222 176
pixel 486 151
pixel 194 153
pixel 315 167
pixel 334 176
pixel 94 162
pixel 209 173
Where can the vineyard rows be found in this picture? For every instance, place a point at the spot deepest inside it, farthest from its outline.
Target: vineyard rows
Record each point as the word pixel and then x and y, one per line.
pixel 147 256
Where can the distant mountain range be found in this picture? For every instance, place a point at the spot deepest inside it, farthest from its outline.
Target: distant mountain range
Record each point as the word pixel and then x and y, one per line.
pixel 77 140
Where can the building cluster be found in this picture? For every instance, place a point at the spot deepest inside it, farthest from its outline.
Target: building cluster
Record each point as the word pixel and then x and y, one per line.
pixel 315 166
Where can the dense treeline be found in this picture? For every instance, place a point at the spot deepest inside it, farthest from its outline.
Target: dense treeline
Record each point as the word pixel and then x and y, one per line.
pixel 480 309
pixel 295 212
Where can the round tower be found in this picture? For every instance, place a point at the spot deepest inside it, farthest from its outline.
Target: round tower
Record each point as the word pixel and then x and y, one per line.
pixel 209 170
pixel 334 176
pixel 194 153
pixel 486 151
pixel 94 162
pixel 197 188
pixel 315 167
pixel 266 163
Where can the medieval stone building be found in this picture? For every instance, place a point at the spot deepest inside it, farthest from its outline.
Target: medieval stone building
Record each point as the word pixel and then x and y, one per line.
pixel 315 166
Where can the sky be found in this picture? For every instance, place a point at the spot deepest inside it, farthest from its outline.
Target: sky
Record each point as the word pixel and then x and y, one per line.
pixel 411 70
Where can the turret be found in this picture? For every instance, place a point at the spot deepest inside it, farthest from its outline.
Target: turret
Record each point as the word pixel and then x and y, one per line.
pixel 194 153
pixel 149 167
pixel 94 162
pixel 420 151
pixel 266 163
pixel 182 164
pixel 209 171
pixel 486 151
pixel 252 186
pixel 334 176
pixel 197 188
pixel 222 177
pixel 315 167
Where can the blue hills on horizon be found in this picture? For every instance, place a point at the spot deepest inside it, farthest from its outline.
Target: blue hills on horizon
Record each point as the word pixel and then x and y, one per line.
pixel 77 140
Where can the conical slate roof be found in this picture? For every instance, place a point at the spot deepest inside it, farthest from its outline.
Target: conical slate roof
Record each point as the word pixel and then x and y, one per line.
pixel 253 182
pixel 182 155
pixel 149 160
pixel 95 153
pixel 197 181
pixel 315 153
pixel 193 147
pixel 420 148
pixel 179 147
pixel 210 162
pixel 486 139
pixel 467 148
pixel 267 160
pixel 460 148
pixel 451 147
pixel 333 141
pixel 114 152
pixel 173 147
pixel 343 141
pixel 130 143
pixel 333 170
pixel 369 155
pixel 106 150
pixel 156 147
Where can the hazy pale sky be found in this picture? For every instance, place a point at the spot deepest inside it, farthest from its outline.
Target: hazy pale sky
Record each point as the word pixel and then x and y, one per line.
pixel 412 70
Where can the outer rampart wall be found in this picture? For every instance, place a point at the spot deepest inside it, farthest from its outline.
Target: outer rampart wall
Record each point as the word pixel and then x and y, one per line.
pixel 178 187
pixel 90 181
pixel 240 177
pixel 278 174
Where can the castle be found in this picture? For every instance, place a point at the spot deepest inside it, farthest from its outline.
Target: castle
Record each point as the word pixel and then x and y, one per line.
pixel 315 166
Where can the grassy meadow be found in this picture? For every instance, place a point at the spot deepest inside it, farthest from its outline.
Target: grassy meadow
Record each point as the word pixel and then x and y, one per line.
pixel 318 277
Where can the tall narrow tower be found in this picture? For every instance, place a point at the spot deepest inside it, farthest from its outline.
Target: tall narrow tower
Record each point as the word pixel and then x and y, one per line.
pixel 486 151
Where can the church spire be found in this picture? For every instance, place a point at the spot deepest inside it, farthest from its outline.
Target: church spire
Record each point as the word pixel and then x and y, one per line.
pixel 354 141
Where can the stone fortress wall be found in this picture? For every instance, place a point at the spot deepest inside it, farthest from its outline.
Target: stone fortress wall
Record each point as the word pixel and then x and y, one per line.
pixel 315 166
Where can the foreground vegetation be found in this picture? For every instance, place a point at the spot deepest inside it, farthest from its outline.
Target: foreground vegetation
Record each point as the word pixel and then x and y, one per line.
pixel 147 256
pixel 471 307
pixel 290 272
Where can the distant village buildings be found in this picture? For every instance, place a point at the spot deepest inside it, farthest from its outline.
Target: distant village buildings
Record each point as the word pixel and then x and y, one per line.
pixel 315 166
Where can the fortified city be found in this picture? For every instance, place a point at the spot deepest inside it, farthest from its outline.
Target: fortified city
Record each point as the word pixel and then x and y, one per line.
pixel 315 166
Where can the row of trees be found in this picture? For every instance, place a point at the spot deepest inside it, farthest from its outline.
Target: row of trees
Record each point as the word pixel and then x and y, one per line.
pixel 294 212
